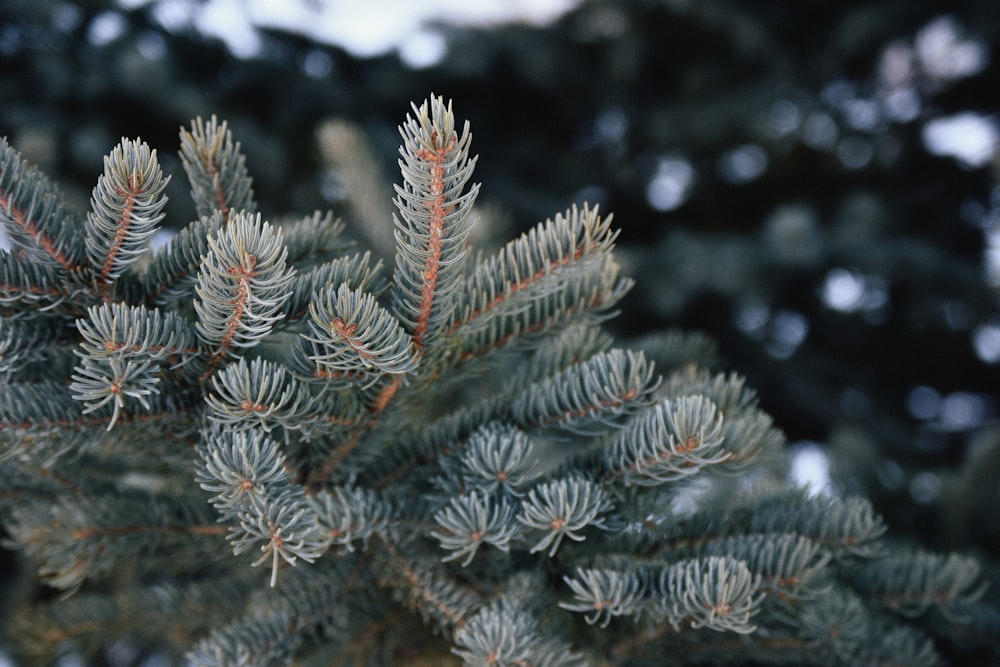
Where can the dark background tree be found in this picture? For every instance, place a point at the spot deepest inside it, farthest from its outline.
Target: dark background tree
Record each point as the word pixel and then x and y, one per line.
pixel 772 166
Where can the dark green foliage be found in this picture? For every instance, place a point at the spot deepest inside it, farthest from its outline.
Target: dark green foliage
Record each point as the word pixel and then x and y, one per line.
pixel 456 462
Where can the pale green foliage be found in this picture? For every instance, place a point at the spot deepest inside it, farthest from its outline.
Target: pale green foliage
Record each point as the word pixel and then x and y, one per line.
pixel 459 439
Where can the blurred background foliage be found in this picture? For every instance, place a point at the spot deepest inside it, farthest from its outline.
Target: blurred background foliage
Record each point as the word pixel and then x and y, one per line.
pixel 812 184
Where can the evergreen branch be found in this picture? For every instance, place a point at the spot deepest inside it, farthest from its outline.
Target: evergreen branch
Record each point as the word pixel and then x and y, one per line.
pixel 76 538
pixel 432 225
pixel 497 458
pixel 563 508
pixel 791 567
pixel 127 208
pixel 847 527
pixel 171 274
pixel 842 626
pixel 123 352
pixel 748 432
pixel 314 236
pixel 284 528
pixel 350 514
pixel 43 422
pixel 117 332
pixel 719 593
pixel 355 340
pixel 261 394
pixel 240 468
pixel 913 583
pixel 250 642
pixel 504 633
pixel 603 594
pixel 471 520
pixel 280 622
pixel 217 170
pixel 572 245
pixel 569 346
pixel 672 441
pixel 558 301
pixel 242 284
pixel 19 343
pixel 255 493
pixel 31 414
pixel 497 634
pixel 33 212
pixel 675 349
pixel 354 271
pixel 331 417
pixel 589 397
pixel 100 382
pixel 30 289
pixel 426 588
pixel 427 447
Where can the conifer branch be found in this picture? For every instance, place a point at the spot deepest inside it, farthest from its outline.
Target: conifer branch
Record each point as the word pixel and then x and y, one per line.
pixel 171 273
pixel 354 271
pixel 460 441
pixel 83 537
pixel 242 284
pixel 98 383
pixel 29 289
pixel 472 520
pixel 433 222
pixel 497 458
pixel 594 395
pixel 427 589
pixel 217 169
pixel 672 441
pixel 119 332
pixel 356 340
pixel 911 584
pixel 267 510
pixel 258 395
pixel 127 208
pixel 541 261
pixel 32 211
pixel 350 514
pixel 502 632
pixel 314 237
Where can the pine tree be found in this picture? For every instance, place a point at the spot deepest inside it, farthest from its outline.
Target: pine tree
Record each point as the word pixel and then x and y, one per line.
pixel 454 460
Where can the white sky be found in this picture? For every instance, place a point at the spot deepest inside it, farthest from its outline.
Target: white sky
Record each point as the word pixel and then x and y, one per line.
pixel 362 27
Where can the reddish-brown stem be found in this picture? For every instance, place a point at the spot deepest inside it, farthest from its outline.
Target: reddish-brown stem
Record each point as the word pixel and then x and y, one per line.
pixel 90 533
pixel 524 284
pixel 616 401
pixel 340 453
pixel 347 333
pixel 454 616
pixel 134 188
pixel 439 211
pixel 243 274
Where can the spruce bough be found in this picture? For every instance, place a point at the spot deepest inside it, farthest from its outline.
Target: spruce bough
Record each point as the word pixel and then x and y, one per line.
pixel 453 460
